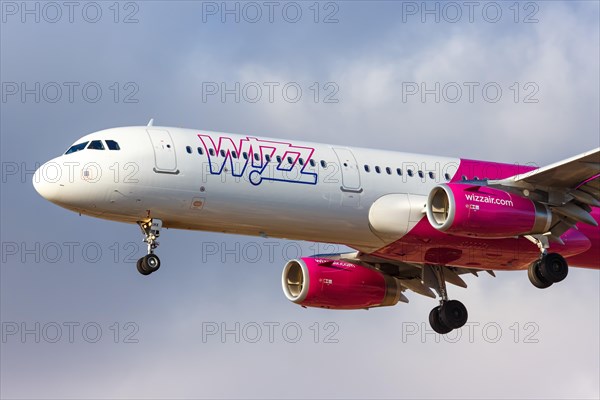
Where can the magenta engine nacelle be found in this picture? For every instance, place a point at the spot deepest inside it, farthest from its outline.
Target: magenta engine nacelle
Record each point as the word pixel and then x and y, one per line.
pixel 481 211
pixel 337 284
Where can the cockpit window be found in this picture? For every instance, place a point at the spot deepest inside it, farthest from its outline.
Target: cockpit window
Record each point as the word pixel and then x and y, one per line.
pixel 112 145
pixel 77 147
pixel 96 145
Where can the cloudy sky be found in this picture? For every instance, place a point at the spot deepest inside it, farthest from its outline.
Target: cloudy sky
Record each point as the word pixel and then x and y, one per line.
pixel 506 81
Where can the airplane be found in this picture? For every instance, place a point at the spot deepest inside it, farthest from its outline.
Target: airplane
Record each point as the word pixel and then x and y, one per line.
pixel 415 222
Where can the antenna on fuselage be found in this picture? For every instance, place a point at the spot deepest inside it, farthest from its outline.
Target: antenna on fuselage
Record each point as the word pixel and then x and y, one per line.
pixel 151 122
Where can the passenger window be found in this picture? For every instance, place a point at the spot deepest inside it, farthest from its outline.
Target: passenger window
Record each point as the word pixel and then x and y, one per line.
pixel 399 171
pixel 211 152
pixel 268 157
pixel 200 151
pixel 312 163
pixel 222 153
pixel 188 149
pixel 323 164
pixel 77 147
pixel 464 178
pixel 431 175
pixel 256 157
pixel 388 170
pixel 421 174
pixel 377 169
pixel 279 159
pixel 367 169
pixel 96 145
pixel 409 172
pixel 290 160
pixel 245 155
pixel 301 161
pixel 112 145
pixel 233 154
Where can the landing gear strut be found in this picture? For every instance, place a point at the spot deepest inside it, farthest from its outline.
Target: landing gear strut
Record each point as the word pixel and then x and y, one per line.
pixel 150 262
pixel 450 314
pixel 550 268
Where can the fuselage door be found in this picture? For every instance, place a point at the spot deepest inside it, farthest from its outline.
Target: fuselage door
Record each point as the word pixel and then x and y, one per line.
pixel 349 169
pixel 165 160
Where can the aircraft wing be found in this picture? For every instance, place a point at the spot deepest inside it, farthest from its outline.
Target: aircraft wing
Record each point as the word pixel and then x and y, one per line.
pixel 569 188
pixel 417 278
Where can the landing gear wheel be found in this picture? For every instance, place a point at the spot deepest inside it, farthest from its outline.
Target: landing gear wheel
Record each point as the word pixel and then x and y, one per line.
pixel 535 276
pixel 151 263
pixel 140 267
pixel 551 268
pixel 436 323
pixel 554 267
pixel 453 314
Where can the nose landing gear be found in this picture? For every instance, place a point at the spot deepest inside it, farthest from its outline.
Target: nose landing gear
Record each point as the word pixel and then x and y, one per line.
pixel 150 263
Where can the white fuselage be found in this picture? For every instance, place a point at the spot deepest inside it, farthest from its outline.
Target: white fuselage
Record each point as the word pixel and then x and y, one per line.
pixel 295 190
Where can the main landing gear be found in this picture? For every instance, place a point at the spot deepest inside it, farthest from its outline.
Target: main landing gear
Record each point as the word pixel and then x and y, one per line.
pixel 150 262
pixel 450 314
pixel 550 268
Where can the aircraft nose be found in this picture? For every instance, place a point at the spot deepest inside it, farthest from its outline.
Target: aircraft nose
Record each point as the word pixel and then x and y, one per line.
pixel 44 186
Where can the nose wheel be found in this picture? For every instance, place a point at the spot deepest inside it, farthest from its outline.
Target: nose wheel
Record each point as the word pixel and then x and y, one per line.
pixel 150 262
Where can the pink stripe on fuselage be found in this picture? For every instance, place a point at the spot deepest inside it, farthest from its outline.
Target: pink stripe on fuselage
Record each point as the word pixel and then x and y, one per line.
pixel 474 169
pixel 425 244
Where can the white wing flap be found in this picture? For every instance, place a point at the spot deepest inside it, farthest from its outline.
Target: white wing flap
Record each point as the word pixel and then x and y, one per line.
pixel 569 187
pixel 581 172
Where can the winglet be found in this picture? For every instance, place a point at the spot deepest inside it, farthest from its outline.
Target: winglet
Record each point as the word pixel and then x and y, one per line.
pixel 151 122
